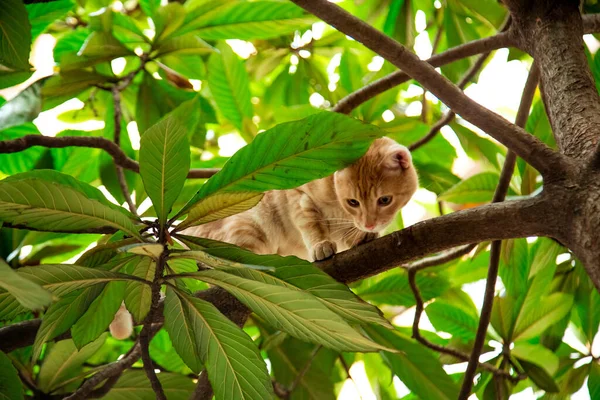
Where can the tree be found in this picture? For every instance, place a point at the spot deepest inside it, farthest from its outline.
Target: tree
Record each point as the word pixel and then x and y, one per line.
pixel 170 69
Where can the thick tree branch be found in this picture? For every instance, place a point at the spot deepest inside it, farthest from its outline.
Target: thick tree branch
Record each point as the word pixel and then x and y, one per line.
pixel 552 32
pixel 119 157
pixel 532 150
pixel 485 45
pixel 499 196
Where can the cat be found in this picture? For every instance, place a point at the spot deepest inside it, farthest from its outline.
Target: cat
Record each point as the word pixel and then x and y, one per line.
pixel 328 215
pixel 320 218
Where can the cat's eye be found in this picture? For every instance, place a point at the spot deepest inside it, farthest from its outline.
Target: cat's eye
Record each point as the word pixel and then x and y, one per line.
pixel 384 200
pixel 353 203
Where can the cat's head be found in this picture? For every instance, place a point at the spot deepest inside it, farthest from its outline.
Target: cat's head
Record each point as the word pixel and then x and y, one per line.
pixel 378 185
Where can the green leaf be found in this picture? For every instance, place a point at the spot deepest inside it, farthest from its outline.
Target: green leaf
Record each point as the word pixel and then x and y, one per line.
pixel 99 315
pixel 229 84
pixel 15 34
pixel 14 163
pixel 416 367
pixel 540 377
pixel 60 88
pixel 205 337
pixel 300 314
pixel 61 315
pixel 35 203
pixel 188 44
pixel 10 384
pixel 42 15
pixel 62 279
pixel 548 312
pixel 63 361
pixel 250 21
pixel 12 78
pixel 138 296
pixel 594 381
pixel 164 164
pixel 134 385
pixel 163 352
pixel 149 7
pixel 477 147
pixel 536 354
pixel 277 159
pixel 297 273
pixel 167 20
pixel 29 294
pixel 435 177
pixel 449 318
pixel 479 188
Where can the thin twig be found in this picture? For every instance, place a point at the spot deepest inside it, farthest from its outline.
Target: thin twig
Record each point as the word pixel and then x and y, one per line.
pixel 416 332
pixel 441 258
pixel 111 370
pixel 466 78
pixel 118 155
pixel 145 333
pixel 499 196
pixel 449 116
pixel 355 99
pixel 305 369
pixel 117 113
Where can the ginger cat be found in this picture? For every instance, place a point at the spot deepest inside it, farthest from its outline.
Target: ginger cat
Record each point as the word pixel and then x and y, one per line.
pixel 322 217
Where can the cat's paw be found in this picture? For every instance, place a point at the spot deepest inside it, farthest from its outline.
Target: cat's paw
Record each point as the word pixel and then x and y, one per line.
pixel 323 250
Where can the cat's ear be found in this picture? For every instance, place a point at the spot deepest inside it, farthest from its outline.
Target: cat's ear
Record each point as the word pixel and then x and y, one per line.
pixel 399 157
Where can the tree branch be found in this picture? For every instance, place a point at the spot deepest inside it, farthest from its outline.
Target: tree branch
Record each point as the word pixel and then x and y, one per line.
pixel 449 116
pixel 116 95
pixel 552 32
pixel 119 157
pixel 499 196
pixel 531 149
pixel 355 99
pixel 86 390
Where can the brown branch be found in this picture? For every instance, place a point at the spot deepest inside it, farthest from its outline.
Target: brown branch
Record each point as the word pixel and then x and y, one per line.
pixel 117 112
pixel 87 389
pixel 499 196
pixel 355 99
pixel 119 157
pixel 531 149
pixel 416 332
pixel 449 116
pixel 441 258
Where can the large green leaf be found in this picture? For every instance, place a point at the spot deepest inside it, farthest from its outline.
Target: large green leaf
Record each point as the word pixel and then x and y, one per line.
pixel 229 84
pixel 41 15
pixel 449 318
pixel 61 315
pixel 138 296
pixel 99 315
pixel 15 34
pixel 277 159
pixel 204 336
pixel 35 203
pixel 23 108
pixel 29 294
pixel 416 367
pixel 296 273
pixel 134 385
pixel 149 7
pixel 167 20
pixel 594 381
pixel 184 45
pixel 300 314
pixel 10 385
pixel 548 312
pixel 476 189
pixel 249 20
pixel 63 361
pixel 164 164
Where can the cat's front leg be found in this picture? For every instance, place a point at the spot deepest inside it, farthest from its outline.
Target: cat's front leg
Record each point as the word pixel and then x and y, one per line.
pixel 311 223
